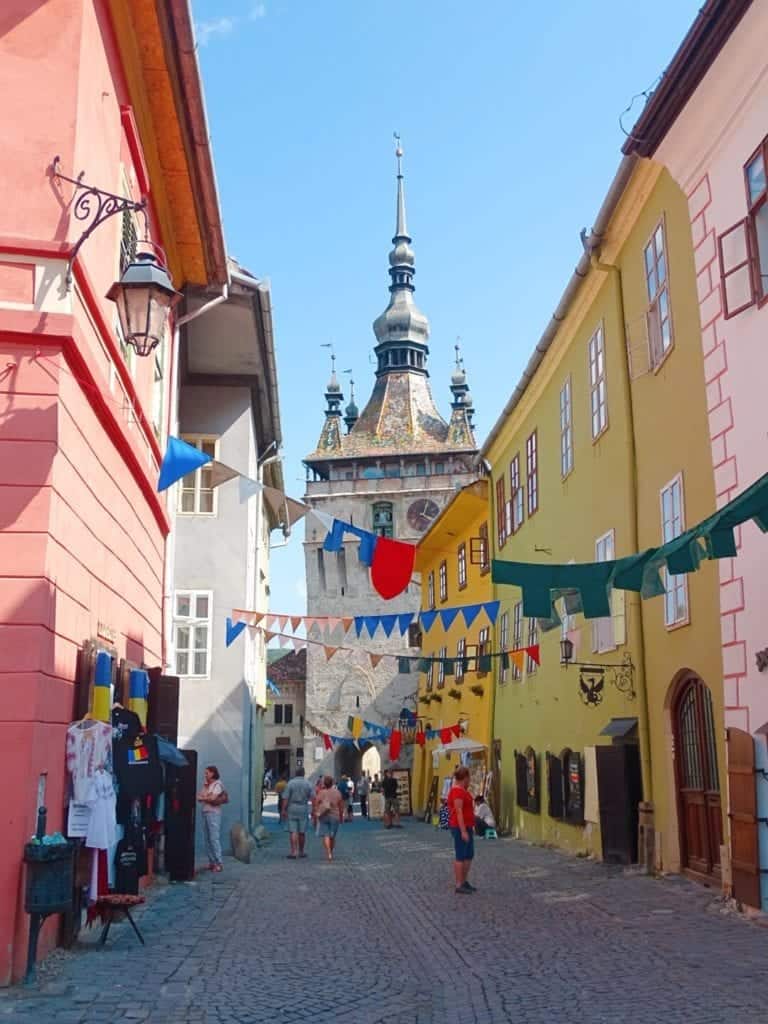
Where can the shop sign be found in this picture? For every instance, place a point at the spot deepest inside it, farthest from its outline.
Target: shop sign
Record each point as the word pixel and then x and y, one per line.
pixel 105 632
pixel 762 660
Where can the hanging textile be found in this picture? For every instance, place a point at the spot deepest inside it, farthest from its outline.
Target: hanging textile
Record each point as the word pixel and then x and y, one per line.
pixel 392 566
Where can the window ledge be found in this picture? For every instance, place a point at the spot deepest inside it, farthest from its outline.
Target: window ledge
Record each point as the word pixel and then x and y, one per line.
pixel 602 433
pixel 664 358
pixel 673 627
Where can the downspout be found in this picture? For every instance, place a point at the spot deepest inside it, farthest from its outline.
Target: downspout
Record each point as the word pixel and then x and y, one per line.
pixel 642 690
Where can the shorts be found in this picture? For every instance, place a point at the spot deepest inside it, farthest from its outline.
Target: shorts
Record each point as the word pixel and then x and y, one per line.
pixel 328 828
pixel 464 851
pixel 298 823
pixel 391 805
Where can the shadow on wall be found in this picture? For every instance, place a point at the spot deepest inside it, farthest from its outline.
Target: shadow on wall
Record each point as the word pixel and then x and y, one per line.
pixel 225 739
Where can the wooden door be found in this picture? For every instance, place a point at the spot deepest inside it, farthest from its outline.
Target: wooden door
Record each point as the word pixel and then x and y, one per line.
pixel 618 795
pixel 701 825
pixel 742 800
pixel 163 705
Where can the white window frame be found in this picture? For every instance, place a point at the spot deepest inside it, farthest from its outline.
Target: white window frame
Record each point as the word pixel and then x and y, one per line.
pixel 158 389
pixel 461 654
pixel 197 440
pixel 517 495
pixel 566 427
pixel 461 565
pixel 603 634
pixel 658 296
pixel 598 386
pixel 431 589
pixel 533 639
pixel 442 654
pixel 503 644
pixel 676 586
pixel 191 622
pixel 517 635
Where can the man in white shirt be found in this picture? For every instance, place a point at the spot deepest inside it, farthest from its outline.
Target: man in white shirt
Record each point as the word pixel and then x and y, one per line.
pixel 484 818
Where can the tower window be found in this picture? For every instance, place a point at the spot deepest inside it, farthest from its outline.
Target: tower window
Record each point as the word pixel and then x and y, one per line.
pixel 383 519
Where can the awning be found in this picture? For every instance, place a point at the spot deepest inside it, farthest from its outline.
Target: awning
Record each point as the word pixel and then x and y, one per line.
pixel 619 727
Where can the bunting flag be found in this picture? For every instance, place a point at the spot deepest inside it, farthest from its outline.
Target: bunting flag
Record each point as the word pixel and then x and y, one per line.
pixel 428 620
pixel 533 653
pixel 180 459
pixel 456 730
pixel 233 631
pixel 357 728
pixel 518 659
pixel 392 567
pixel 404 622
pixel 296 621
pixel 329 651
pixel 470 613
pixel 395 741
pixel 445 736
pixel 447 616
pixel 388 624
pixel 327 743
pixel 374 658
pixel 420 737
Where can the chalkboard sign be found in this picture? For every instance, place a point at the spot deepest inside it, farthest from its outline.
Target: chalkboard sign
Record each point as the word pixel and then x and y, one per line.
pixel 403 777
pixel 574 787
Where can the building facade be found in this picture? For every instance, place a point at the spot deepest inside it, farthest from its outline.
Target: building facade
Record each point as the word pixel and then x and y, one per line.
pixel 228 407
pixel 707 126
pixel 592 461
pixel 453 558
pixel 84 419
pixel 284 718
pixel 391 472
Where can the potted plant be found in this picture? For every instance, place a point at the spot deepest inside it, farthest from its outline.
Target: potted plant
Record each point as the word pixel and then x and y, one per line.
pixel 454 694
pixel 477 689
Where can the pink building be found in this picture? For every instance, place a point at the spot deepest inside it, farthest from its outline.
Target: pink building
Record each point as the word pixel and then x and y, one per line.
pixel 113 90
pixel 708 123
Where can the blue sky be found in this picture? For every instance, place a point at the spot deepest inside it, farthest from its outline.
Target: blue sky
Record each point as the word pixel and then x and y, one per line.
pixel 509 115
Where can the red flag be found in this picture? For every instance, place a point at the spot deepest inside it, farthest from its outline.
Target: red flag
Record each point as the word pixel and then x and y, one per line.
pixel 327 741
pixel 392 566
pixel 446 736
pixel 395 740
pixel 456 729
pixel 533 653
pixel 421 738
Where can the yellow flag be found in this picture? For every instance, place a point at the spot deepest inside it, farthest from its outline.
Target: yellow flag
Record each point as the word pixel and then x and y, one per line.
pixel 357 727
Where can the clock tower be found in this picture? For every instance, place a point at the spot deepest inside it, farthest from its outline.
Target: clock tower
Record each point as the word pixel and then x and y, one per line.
pixel 390 471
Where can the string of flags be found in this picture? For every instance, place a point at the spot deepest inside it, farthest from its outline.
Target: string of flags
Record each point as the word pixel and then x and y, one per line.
pixel 383 734
pixel 406 663
pixel 401 621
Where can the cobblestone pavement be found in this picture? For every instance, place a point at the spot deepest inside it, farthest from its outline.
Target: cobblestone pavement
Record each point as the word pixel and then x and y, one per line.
pixel 379 936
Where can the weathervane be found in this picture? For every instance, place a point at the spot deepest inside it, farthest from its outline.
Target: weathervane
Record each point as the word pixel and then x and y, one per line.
pixel 398 153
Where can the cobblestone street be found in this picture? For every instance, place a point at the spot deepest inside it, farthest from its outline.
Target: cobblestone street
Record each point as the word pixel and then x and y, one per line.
pixel 379 935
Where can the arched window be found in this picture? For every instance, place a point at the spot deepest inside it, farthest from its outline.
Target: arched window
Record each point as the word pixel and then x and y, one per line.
pixel 383 519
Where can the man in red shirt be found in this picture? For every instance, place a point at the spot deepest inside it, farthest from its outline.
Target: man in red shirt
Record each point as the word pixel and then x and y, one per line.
pixel 461 821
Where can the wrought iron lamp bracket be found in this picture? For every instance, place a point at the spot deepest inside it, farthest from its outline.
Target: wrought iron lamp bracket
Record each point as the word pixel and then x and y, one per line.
pixel 94 205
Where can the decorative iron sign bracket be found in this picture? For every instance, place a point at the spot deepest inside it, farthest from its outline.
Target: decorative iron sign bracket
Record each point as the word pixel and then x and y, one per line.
pixel 593 677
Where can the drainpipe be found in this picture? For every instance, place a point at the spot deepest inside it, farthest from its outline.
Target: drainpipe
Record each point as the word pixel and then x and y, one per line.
pixel 646 850
pixel 173 427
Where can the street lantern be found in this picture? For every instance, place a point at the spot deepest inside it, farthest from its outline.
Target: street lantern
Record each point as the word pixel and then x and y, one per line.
pixel 144 297
pixel 566 651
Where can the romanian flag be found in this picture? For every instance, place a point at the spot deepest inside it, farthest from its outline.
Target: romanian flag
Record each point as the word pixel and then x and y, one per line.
pixel 138 754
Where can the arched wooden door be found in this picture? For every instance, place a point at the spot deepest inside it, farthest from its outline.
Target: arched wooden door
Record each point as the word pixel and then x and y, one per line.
pixel 698 783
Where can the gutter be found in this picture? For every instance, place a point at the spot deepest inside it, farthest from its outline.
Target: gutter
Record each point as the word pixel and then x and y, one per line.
pixel 175 17
pixel 592 243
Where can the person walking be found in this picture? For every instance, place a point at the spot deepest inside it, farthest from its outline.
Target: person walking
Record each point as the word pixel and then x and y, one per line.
pixel 280 785
pixel 363 789
pixel 328 812
pixel 212 796
pixel 295 811
pixel 461 821
pixel 391 802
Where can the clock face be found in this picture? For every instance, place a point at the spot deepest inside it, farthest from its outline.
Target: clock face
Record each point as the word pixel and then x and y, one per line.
pixel 422 513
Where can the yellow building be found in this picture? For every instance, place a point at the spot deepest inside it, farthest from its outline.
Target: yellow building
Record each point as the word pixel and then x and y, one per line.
pixel 603 451
pixel 453 558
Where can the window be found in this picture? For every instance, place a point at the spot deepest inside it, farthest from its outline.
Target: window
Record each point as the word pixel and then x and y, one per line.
pixel 672 525
pixel 532 464
pixel 483 647
pixel 128 240
pixel 383 519
pixel 192 632
pixel 501 501
pixel 158 389
pixel 516 495
pixel 533 639
pixel 485 551
pixel 442 653
pixel 602 629
pixel 197 495
pixel 414 635
pixel 743 247
pixel 503 644
pixel 566 428
pixel 657 285
pixel 443 580
pixel 431 589
pixel 597 391
pixel 278 710
pixel 341 568
pixel 438 468
pixel 287 714
pixel 517 634
pixel 461 654
pixel 462 565
pixel 430 673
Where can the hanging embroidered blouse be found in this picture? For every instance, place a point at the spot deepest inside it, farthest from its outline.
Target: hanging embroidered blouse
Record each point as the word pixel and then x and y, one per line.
pixel 89 748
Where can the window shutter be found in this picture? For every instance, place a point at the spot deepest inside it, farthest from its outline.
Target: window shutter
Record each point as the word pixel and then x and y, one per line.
pixel 737 268
pixel 555 782
pixel 521 780
pixel 574 788
pixel 534 798
pixel 619 616
pixel 476 551
pixel 500 510
pixel 163 705
pixel 638 347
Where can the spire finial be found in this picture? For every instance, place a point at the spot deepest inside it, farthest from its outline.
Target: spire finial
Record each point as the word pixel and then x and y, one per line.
pixel 401 231
pixel 398 154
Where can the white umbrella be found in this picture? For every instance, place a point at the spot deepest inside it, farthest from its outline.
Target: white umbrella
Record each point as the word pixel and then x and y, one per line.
pixel 463 745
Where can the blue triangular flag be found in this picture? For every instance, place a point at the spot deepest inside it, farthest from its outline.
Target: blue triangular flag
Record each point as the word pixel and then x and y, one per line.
pixel 180 458
pixel 492 609
pixel 404 622
pixel 471 611
pixel 388 623
pixel 447 615
pixel 359 623
pixel 371 623
pixel 428 619
pixel 233 630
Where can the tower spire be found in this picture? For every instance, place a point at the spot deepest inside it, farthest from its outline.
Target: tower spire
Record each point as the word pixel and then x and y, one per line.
pixel 401 231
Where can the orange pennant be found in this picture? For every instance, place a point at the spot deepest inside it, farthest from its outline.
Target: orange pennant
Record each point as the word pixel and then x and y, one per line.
pixel 518 657
pixel 283 620
pixel 347 624
pixel 296 621
pixel 268 635
pixel 256 618
pixel 375 658
pixel 329 652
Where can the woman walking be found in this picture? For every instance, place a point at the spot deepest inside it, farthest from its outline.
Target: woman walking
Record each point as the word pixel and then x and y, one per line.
pixel 212 796
pixel 328 811
pixel 461 820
